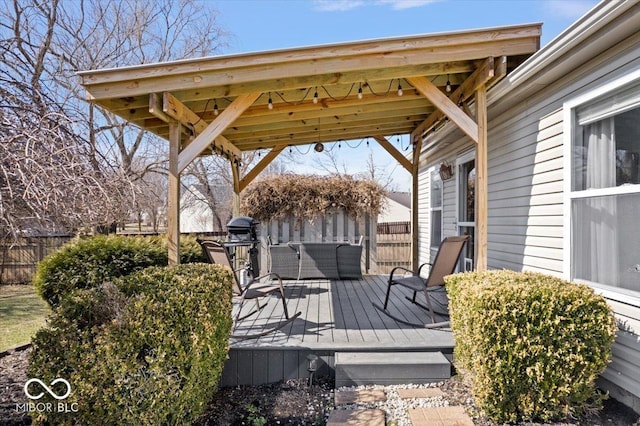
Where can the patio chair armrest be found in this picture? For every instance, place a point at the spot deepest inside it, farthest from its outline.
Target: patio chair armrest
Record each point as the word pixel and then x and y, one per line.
pixel 393 271
pixel 421 266
pixel 269 274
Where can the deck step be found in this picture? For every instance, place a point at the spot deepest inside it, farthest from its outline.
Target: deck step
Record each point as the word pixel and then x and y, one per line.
pixel 390 368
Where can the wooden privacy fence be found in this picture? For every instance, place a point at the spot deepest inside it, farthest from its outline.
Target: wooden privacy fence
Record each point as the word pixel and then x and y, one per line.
pixel 19 259
pixel 393 242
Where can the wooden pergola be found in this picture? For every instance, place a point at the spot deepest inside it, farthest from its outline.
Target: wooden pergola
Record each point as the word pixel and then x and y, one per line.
pixel 225 105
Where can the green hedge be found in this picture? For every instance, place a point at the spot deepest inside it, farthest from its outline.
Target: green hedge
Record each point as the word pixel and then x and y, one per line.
pixel 148 349
pixel 532 345
pixel 88 262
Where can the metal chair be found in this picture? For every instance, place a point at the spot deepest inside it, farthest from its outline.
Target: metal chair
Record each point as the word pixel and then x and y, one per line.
pixel 432 287
pixel 253 289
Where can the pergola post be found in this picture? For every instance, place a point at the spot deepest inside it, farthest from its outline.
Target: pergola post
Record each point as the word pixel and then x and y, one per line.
pixel 415 167
pixel 235 202
pixel 482 187
pixel 173 212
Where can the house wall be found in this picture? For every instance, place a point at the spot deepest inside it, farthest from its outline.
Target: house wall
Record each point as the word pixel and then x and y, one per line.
pixel 526 229
pixel 394 212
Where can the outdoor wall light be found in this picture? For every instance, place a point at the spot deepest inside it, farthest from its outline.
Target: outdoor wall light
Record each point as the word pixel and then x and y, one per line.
pixel 312 366
pixel 446 171
pixel 318 147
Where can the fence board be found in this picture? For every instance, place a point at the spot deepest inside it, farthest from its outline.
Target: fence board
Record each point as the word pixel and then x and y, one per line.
pixel 393 246
pixel 18 260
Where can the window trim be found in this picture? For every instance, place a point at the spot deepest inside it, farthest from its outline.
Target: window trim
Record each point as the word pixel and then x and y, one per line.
pixel 569 130
pixel 434 172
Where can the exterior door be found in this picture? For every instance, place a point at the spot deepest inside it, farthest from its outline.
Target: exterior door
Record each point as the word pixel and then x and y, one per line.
pixel 466 206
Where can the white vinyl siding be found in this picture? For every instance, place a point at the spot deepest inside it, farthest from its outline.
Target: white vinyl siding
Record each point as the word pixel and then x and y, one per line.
pixel 527 227
pixel 424 223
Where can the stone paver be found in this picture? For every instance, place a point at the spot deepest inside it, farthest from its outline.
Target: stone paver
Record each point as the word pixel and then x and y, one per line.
pixel 440 416
pixel 356 418
pixel 420 393
pixel 360 396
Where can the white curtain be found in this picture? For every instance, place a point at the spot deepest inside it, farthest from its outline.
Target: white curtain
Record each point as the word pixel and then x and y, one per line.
pixel 595 230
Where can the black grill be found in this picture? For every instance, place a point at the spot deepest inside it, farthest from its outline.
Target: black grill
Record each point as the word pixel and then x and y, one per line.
pixel 242 229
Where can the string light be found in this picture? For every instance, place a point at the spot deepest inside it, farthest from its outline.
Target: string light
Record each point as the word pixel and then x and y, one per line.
pixel 400 93
pixel 448 84
pixel 270 104
pixel 360 91
pixel 215 107
pixel 315 96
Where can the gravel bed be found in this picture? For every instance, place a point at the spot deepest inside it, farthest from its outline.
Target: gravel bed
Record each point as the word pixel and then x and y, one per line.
pixel 396 408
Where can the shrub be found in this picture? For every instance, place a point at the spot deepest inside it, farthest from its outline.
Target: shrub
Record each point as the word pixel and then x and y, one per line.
pixel 88 262
pixel 148 350
pixel 532 345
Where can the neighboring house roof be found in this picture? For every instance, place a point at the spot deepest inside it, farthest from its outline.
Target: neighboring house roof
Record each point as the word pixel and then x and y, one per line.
pixel 402 198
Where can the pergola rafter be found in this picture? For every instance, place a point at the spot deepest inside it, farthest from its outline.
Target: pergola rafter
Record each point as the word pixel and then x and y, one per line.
pixel 357 97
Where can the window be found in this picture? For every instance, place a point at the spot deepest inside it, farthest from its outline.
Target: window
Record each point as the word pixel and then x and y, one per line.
pixel 436 209
pixel 604 199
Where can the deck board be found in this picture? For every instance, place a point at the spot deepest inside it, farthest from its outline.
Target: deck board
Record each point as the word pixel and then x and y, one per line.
pixel 339 315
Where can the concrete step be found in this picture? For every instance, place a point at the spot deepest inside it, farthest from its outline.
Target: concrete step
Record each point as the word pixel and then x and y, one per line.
pixel 390 368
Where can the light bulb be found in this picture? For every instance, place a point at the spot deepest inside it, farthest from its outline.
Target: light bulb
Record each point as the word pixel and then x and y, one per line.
pixel 360 91
pixel 270 104
pixel 315 96
pixel 400 92
pixel 448 84
pixel 215 108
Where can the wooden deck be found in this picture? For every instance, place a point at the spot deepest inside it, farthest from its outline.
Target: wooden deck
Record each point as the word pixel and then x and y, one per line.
pixel 337 316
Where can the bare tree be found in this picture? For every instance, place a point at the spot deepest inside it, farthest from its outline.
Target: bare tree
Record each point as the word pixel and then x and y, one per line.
pixel 65 162
pixel 209 182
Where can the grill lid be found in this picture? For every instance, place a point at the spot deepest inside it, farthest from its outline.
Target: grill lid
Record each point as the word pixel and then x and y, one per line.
pixel 241 222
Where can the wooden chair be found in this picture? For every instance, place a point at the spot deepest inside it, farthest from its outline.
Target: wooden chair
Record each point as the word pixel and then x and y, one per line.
pixel 432 287
pixel 255 289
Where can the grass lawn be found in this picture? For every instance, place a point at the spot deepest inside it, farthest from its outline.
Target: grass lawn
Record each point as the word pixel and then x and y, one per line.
pixel 22 313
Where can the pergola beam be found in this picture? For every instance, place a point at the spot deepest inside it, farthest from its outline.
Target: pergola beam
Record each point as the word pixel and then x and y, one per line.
pixel 214 130
pixel 484 73
pixel 448 108
pixel 302 63
pixel 404 161
pixel 262 164
pixel 175 109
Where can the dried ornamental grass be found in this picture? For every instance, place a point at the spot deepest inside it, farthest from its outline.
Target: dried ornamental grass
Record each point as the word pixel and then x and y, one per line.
pixel 308 196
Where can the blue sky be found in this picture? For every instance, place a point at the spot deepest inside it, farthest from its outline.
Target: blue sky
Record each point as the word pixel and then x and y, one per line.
pixel 257 25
